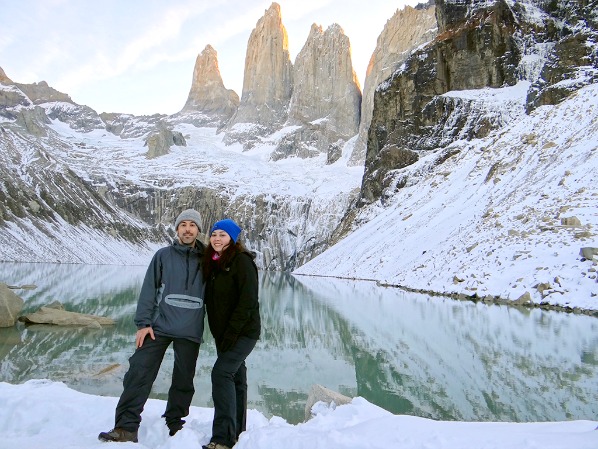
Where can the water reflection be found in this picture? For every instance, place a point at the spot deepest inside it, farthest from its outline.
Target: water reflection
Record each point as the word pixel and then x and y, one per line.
pixel 405 352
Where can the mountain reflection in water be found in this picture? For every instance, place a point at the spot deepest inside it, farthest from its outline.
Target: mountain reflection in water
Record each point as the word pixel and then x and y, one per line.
pixel 408 353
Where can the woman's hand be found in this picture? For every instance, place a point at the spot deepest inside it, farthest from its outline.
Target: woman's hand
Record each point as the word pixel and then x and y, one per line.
pixel 228 341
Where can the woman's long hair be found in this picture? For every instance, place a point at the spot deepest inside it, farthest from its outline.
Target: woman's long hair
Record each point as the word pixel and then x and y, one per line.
pixel 211 266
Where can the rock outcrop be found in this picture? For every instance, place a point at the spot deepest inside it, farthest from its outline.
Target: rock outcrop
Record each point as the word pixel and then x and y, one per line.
pixel 208 94
pixel 406 30
pixel 267 82
pixel 40 93
pixel 571 32
pixel 326 97
pixel 161 139
pixel 3 78
pixel 476 47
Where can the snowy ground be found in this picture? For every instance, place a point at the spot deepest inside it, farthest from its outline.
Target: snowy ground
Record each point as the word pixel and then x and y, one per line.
pixel 44 414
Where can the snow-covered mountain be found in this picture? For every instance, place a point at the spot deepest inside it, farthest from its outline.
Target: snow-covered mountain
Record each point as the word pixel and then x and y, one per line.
pixel 479 176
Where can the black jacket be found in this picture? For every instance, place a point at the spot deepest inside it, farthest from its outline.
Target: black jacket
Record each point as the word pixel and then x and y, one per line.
pixel 232 300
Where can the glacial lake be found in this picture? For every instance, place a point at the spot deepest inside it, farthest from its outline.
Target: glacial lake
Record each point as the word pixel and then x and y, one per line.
pixel 408 353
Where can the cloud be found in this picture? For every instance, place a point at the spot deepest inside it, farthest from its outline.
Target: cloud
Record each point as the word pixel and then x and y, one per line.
pixel 154 42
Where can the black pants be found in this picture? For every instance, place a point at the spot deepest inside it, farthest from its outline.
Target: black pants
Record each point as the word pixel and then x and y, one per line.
pixel 229 392
pixel 143 370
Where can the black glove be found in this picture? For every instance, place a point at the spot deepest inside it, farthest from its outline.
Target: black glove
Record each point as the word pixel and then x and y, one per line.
pixel 228 341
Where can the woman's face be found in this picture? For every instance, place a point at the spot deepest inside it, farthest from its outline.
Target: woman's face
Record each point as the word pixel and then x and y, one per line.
pixel 219 240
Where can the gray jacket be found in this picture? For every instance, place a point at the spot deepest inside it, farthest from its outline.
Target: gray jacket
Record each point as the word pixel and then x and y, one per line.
pixel 171 298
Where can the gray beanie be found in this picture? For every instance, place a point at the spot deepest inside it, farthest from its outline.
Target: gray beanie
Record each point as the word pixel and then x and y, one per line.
pixel 188 214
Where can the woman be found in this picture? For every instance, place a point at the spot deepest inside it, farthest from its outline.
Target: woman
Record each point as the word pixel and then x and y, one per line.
pixel 233 316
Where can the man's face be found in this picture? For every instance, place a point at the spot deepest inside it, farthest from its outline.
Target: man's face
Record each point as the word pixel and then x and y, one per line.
pixel 187 232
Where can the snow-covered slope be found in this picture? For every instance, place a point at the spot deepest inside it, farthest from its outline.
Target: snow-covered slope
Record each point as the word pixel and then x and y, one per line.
pixel 74 184
pixel 497 218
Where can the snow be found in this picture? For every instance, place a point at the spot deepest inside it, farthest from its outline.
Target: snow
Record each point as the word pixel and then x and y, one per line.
pixel 228 166
pixel 41 413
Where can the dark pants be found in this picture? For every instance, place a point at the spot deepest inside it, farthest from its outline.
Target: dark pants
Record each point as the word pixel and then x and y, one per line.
pixel 229 392
pixel 143 370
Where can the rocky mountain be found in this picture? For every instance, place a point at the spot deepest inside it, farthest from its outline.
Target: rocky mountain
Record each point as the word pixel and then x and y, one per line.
pixel 267 82
pixel 208 95
pixel 326 97
pixel 284 164
pixel 404 32
pixel 479 44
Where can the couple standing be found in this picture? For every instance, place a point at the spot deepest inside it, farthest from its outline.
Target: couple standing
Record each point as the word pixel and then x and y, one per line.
pixel 171 310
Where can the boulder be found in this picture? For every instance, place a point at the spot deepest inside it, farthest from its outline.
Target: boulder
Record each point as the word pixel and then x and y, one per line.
pixel 10 306
pixel 161 139
pixel 588 252
pixel 318 393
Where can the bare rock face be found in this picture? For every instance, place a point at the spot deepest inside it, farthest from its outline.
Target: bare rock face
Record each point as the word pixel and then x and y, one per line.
pixel 406 30
pixel 208 94
pixel 3 78
pixel 477 46
pixel 267 82
pixel 326 96
pixel 41 92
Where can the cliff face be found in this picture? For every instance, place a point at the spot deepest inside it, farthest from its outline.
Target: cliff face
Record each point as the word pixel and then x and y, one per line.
pixel 406 30
pixel 208 94
pixel 326 97
pixel 479 45
pixel 267 82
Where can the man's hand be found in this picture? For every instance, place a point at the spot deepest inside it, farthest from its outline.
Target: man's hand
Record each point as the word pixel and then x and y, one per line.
pixel 141 334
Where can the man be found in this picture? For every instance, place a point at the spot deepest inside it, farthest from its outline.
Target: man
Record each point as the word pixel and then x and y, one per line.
pixel 170 310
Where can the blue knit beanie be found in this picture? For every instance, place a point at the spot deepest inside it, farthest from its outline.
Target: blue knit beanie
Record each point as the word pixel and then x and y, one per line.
pixel 229 226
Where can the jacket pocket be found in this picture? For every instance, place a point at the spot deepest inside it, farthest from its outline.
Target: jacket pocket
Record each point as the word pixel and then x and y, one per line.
pixel 184 301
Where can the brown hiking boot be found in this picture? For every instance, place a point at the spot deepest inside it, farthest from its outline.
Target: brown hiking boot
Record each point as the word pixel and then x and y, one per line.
pixel 118 435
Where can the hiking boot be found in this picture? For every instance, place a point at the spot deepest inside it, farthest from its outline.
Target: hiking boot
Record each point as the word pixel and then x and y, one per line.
pixel 213 445
pixel 118 435
pixel 175 426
